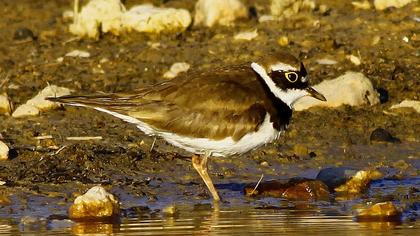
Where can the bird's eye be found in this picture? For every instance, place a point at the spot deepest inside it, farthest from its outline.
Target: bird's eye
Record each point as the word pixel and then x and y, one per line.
pixel 291 76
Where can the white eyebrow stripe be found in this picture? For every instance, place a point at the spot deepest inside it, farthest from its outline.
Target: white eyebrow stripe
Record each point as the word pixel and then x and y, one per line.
pixel 270 83
pixel 288 97
pixel 283 67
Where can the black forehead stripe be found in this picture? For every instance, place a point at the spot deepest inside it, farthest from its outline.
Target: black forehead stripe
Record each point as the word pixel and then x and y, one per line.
pixel 280 72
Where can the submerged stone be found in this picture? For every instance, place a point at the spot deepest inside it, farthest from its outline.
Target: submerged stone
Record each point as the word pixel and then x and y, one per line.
pixel 383 211
pixel 298 189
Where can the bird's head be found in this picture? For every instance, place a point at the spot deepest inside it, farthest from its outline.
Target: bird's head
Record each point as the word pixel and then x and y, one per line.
pixel 286 77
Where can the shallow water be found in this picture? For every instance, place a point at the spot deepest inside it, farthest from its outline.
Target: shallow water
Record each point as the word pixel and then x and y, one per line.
pixel 229 221
pixel 233 216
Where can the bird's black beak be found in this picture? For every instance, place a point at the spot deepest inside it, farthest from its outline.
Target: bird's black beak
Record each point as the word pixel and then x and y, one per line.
pixel 315 94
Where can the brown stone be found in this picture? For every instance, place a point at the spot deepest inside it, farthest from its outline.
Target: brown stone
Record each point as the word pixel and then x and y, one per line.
pixel 298 189
pixel 383 211
pixel 308 190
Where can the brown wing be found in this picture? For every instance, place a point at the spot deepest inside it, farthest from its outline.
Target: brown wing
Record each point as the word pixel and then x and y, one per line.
pixel 201 105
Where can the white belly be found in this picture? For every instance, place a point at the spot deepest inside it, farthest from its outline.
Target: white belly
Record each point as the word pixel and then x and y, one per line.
pixel 227 146
pixel 224 147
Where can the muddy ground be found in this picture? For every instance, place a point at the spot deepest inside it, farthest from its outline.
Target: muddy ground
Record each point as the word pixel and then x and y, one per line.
pixel 122 160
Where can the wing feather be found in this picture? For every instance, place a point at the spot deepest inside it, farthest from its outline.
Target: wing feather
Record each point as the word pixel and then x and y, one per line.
pixel 219 105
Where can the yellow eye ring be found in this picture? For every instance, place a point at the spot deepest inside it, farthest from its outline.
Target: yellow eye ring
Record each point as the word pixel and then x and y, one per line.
pixel 291 76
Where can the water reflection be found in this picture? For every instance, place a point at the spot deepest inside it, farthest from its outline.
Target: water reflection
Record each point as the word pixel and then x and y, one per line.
pixel 251 221
pixel 92 228
pixel 207 219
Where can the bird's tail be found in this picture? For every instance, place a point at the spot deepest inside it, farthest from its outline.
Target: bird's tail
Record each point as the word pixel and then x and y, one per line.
pixel 101 100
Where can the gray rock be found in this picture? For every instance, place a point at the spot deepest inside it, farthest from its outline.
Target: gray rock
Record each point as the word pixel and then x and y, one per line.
pixel 24 34
pixel 382 135
pixel 335 176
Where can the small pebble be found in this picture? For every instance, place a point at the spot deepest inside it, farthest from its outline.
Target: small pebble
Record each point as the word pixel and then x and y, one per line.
pixel 266 18
pixel 283 41
pixel 383 211
pixel 383 95
pixel 5 200
pixel 326 61
pixel 252 12
pixel 4 151
pixel 415 105
pixel 300 150
pixel 5 105
pixel 78 53
pixel 175 69
pixel 24 34
pixel 375 40
pixel 32 222
pixel 265 164
pixel 246 35
pixel 355 60
pixel 364 5
pixel 382 135
pixel 170 210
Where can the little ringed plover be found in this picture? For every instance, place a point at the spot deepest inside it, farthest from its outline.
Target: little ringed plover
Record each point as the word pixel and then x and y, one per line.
pixel 219 112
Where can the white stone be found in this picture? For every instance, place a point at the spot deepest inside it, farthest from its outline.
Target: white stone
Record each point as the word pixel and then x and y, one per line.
pixel 246 35
pixel 383 4
pixel 5 105
pixel 222 12
pixel 408 104
pixel 355 60
pixel 364 5
pixel 38 103
pixel 77 53
pixel 4 151
pixel 175 69
pixel 287 8
pixel 98 16
pixel 352 89
pixel 150 19
pixel 95 203
pixel 265 18
pixel 326 61
pixel 25 110
pixel 68 15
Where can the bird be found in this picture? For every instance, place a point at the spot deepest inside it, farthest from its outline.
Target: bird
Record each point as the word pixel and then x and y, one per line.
pixel 217 112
